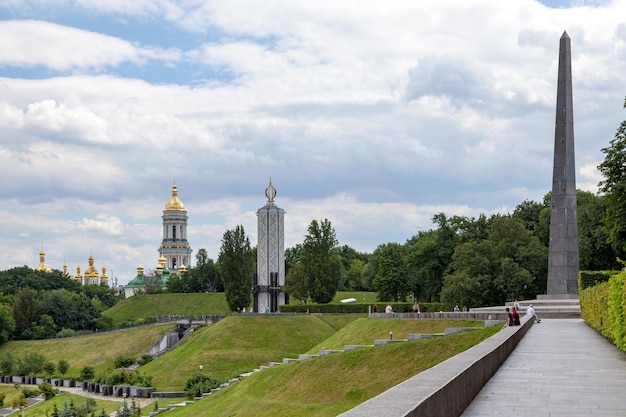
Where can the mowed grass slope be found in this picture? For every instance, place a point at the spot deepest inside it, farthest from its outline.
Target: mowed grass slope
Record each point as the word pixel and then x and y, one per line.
pixel 97 350
pixel 239 344
pixel 364 331
pixel 153 305
pixel 329 385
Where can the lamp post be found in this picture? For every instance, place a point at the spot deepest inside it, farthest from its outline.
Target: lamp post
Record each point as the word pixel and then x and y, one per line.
pixel 125 408
pixel 200 380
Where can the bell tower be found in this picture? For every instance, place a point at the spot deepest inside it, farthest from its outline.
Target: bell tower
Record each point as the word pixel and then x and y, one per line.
pixel 174 246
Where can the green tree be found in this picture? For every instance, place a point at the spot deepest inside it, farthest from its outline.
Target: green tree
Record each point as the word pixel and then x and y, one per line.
pixel 236 261
pixel 296 284
pixel 391 280
pixel 320 261
pixel 25 313
pixel 613 185
pixel 7 324
pixel 203 277
pixel 63 366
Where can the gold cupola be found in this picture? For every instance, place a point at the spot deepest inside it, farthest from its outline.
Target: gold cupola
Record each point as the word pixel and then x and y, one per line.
pixel 174 203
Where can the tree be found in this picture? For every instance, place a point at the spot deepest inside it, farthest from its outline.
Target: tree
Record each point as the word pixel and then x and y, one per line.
pixel 320 261
pixel 296 284
pixel 236 260
pixel 613 169
pixel 391 280
pixel 7 323
pixel 63 366
pixel 203 277
pixel 25 313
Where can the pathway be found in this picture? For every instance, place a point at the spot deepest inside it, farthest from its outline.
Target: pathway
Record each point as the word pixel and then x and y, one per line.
pixel 561 368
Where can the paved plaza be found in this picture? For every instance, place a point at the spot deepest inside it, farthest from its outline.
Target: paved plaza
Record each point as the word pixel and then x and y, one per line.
pixel 561 368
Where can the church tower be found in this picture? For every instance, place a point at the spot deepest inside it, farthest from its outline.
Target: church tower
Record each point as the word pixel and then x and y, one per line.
pixel 269 281
pixel 174 246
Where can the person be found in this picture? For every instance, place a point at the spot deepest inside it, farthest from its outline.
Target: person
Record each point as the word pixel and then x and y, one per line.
pixel 416 308
pixel 532 313
pixel 509 317
pixel 375 309
pixel 516 305
pixel 515 316
pixel 465 309
pixel 388 309
pixel 456 308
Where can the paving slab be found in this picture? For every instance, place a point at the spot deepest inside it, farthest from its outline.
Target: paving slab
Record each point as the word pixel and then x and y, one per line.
pixel 561 367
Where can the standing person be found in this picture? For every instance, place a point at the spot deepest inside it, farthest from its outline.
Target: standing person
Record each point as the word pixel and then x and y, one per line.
pixel 416 308
pixel 456 308
pixel 388 309
pixel 465 309
pixel 375 308
pixel 509 317
pixel 515 316
pixel 530 311
pixel 516 305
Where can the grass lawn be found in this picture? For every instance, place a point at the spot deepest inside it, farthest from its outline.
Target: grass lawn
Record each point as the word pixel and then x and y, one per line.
pixel 97 350
pixel 44 408
pixel 329 385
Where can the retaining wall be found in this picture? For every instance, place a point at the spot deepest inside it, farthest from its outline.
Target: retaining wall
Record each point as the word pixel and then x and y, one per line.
pixel 448 388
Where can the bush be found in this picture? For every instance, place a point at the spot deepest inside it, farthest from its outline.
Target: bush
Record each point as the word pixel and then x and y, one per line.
pixel 145 358
pixel 47 390
pixel 192 385
pixel 87 373
pixel 122 361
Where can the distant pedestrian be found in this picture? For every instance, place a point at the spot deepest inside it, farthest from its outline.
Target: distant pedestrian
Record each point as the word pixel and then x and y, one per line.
pixel 388 309
pixel 509 317
pixel 515 316
pixel 530 311
pixel 516 305
pixel 465 309
pixel 456 308
pixel 416 308
pixel 375 308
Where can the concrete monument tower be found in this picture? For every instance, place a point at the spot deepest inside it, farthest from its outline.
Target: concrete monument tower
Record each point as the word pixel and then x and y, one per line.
pixel 563 263
pixel 269 281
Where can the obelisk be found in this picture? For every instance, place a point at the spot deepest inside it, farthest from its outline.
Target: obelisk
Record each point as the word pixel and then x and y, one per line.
pixel 563 263
pixel 269 281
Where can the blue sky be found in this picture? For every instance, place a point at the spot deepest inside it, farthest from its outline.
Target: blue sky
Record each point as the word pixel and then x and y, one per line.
pixel 375 115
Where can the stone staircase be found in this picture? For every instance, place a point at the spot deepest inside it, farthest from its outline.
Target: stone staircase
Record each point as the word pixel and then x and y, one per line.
pixel 547 307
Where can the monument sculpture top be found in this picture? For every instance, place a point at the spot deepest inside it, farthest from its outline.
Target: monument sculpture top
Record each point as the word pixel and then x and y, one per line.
pixel 270 192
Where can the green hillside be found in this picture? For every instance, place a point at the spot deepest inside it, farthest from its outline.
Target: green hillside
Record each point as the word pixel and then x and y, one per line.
pixel 153 305
pixel 97 350
pixel 239 344
pixel 364 331
pixel 329 385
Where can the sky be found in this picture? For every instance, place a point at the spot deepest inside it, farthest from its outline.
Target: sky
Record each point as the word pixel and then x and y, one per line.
pixel 375 115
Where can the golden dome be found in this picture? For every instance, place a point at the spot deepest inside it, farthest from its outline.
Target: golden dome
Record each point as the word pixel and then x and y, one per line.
pixel 174 203
pixel 162 261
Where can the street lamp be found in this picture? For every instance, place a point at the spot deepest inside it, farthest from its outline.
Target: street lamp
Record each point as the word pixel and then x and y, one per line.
pixel 125 395
pixel 200 380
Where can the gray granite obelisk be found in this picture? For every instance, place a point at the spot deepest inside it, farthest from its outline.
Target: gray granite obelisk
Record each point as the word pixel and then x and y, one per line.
pixel 563 263
pixel 269 281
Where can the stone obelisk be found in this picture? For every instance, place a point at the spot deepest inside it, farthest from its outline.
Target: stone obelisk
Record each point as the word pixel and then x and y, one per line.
pixel 563 263
pixel 269 281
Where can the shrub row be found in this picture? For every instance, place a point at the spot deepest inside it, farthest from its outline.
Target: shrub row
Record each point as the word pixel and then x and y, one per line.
pixel 590 278
pixel 357 308
pixel 603 305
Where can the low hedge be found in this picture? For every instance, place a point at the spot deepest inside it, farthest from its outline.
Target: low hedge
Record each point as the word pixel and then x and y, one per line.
pixel 360 308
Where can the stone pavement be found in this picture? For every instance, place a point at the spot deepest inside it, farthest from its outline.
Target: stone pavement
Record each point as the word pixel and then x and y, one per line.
pixel 561 368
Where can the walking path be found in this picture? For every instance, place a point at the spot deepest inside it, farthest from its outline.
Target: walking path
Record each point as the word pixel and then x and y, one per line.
pixel 561 368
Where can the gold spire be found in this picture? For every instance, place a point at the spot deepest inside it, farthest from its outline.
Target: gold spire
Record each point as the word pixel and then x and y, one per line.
pixel 91 271
pixel 174 203
pixel 270 192
pixel 42 264
pixel 103 278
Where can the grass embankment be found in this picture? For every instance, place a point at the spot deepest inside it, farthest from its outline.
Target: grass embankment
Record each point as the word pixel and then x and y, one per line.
pixel 330 385
pixel 364 331
pixel 239 344
pixel 153 305
pixel 97 350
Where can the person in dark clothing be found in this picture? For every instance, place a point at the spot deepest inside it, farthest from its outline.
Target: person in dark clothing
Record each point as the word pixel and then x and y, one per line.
pixel 515 316
pixel 509 317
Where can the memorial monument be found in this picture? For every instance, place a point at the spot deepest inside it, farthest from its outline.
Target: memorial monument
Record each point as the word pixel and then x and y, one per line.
pixel 563 262
pixel 269 281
